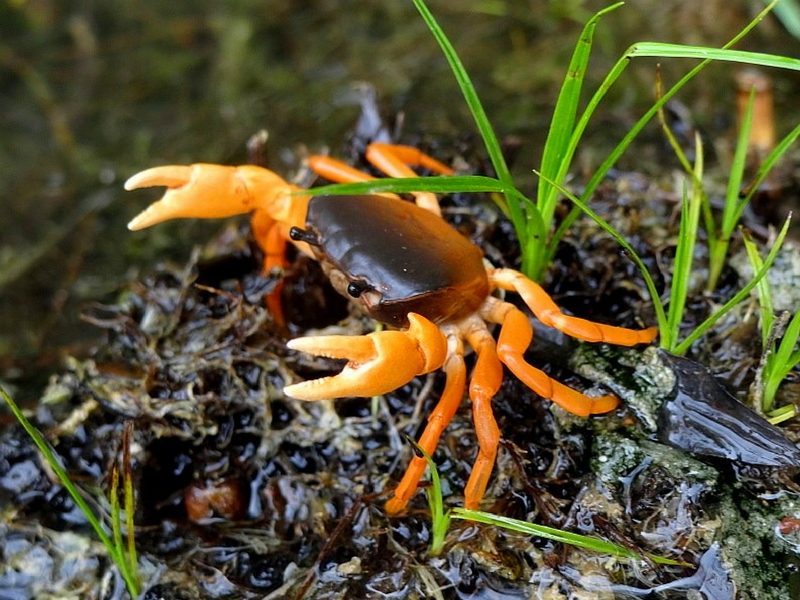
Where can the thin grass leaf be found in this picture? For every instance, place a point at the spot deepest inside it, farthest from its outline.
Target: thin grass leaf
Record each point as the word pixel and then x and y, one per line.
pixel 784 413
pixel 784 360
pixel 470 95
pixel 788 12
pixel 666 50
pixel 440 520
pixel 658 306
pixel 764 292
pixel 684 252
pixel 566 537
pixel 741 295
pixel 766 166
pixel 132 555
pixel 403 185
pixel 63 477
pixel 718 245
pixel 116 519
pixel 564 114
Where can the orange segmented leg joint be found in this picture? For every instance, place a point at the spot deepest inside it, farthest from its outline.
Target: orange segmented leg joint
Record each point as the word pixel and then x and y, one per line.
pixel 271 237
pixel 396 161
pixel 516 334
pixel 550 314
pixel 486 379
pixel 438 420
pixel 373 366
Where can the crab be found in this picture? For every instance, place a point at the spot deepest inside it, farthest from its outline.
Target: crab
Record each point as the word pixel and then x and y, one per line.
pixel 407 268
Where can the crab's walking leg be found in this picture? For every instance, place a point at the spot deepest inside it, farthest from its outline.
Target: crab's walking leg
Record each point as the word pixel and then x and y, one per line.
pixel 486 379
pixel 438 420
pixel 393 160
pixel 550 314
pixel 271 237
pixel 516 334
pixel 378 363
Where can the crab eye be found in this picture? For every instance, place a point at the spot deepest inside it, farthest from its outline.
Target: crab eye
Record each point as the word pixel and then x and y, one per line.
pixel 356 288
pixel 304 235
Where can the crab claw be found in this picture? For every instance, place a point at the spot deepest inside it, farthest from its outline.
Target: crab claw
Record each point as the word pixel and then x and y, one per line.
pixel 378 363
pixel 205 191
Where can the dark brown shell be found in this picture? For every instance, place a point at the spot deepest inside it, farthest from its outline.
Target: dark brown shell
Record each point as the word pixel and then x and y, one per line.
pixel 406 258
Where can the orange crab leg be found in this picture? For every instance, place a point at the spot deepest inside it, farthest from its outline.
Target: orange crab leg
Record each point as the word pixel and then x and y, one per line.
pixel 272 239
pixel 516 334
pixel 438 420
pixel 486 380
pixel 393 160
pixel 550 314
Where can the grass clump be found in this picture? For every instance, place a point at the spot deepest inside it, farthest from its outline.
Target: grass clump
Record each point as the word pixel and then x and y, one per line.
pixel 122 554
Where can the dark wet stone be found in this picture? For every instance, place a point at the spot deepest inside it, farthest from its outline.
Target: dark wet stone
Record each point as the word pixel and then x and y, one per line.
pixel 704 418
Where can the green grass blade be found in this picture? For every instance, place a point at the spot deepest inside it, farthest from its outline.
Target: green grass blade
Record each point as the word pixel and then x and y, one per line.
pixel 404 185
pixel 789 14
pixel 764 292
pixel 440 520
pixel 784 360
pixel 666 50
pixel 557 535
pixel 470 95
pixel 766 166
pixel 658 306
pixel 684 253
pixel 55 464
pixel 132 556
pixel 741 295
pixel 564 114
pixel 784 413
pixel 116 520
pixel 718 246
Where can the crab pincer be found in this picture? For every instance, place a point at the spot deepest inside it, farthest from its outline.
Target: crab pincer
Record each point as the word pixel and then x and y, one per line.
pixel 378 363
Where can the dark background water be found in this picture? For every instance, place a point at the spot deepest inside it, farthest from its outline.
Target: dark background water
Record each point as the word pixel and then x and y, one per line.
pixel 93 91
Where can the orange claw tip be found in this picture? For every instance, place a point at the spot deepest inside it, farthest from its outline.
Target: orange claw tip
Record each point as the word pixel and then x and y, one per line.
pixel 170 176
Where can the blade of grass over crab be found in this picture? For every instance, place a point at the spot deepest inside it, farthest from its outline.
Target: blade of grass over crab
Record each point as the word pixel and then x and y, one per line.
pixel 402 185
pixel 601 172
pixel 684 252
pixel 738 297
pixel 658 306
pixel 440 520
pixel 666 50
pixel 557 535
pixel 115 552
pixel 470 95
